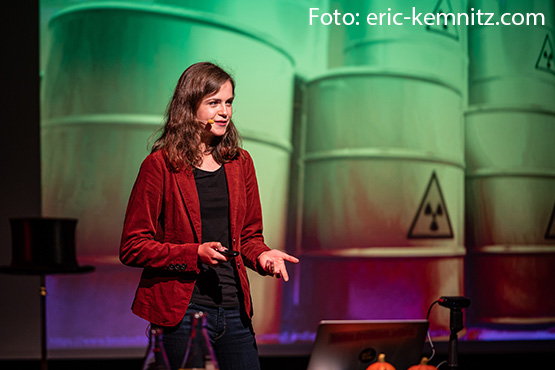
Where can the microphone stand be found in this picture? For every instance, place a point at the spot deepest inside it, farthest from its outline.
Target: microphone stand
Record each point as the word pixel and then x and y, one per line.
pixel 455 305
pixel 456 325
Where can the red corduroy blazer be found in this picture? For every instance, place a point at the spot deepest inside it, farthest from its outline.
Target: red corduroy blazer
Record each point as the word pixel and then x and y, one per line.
pixel 162 230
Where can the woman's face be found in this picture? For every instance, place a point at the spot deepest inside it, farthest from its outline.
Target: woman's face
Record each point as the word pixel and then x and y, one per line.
pixel 216 108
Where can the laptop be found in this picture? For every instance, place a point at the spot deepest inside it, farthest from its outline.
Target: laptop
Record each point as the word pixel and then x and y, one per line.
pixel 355 344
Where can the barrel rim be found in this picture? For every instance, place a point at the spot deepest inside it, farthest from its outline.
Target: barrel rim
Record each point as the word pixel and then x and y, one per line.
pixel 477 173
pixel 173 11
pixel 380 153
pixel 150 121
pixel 374 71
pixel 511 249
pixel 500 108
pixel 387 252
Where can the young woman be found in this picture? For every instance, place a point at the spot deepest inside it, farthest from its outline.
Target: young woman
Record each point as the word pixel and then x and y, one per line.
pixel 196 197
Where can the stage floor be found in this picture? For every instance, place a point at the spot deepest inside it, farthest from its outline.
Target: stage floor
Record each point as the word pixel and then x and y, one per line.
pixel 472 356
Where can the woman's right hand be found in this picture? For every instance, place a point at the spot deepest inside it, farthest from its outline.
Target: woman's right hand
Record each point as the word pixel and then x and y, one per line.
pixel 208 253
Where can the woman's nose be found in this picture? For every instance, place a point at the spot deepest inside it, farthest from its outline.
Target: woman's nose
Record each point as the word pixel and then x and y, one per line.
pixel 223 110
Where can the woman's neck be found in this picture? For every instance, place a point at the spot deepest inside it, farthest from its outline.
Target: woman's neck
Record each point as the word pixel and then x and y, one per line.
pixel 208 162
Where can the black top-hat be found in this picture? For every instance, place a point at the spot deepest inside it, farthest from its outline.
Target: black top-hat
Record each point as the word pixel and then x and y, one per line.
pixel 43 246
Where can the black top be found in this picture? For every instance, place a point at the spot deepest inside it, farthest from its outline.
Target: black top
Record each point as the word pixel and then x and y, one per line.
pixel 216 286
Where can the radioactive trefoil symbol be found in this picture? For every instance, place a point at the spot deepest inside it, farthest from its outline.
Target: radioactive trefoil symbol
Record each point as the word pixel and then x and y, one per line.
pixel 545 59
pixel 438 212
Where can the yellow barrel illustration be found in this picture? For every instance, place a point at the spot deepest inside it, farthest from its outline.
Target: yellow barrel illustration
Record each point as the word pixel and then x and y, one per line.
pixel 383 175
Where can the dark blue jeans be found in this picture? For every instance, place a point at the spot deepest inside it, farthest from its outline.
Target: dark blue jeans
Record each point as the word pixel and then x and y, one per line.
pixel 230 332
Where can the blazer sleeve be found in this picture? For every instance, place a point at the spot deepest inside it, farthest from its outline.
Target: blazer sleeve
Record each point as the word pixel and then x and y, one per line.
pixel 142 242
pixel 252 239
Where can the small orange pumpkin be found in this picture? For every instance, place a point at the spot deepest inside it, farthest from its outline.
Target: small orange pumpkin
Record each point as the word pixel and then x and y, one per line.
pixel 423 365
pixel 381 364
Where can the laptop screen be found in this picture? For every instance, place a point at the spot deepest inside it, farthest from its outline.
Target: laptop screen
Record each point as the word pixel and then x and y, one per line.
pixel 355 344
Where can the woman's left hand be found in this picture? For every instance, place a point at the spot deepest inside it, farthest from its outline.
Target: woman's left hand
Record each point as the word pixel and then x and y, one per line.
pixel 273 262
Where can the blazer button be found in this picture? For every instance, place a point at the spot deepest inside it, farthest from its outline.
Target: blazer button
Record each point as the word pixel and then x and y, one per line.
pixel 184 266
pixel 171 266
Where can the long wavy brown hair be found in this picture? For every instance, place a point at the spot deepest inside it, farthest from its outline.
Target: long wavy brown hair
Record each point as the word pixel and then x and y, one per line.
pixel 181 133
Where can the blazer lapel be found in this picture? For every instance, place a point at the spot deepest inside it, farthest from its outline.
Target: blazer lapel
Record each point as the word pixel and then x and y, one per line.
pixel 188 189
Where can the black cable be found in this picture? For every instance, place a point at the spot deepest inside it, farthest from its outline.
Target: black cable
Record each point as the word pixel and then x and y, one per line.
pixel 441 363
pixel 428 333
pixel 430 309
